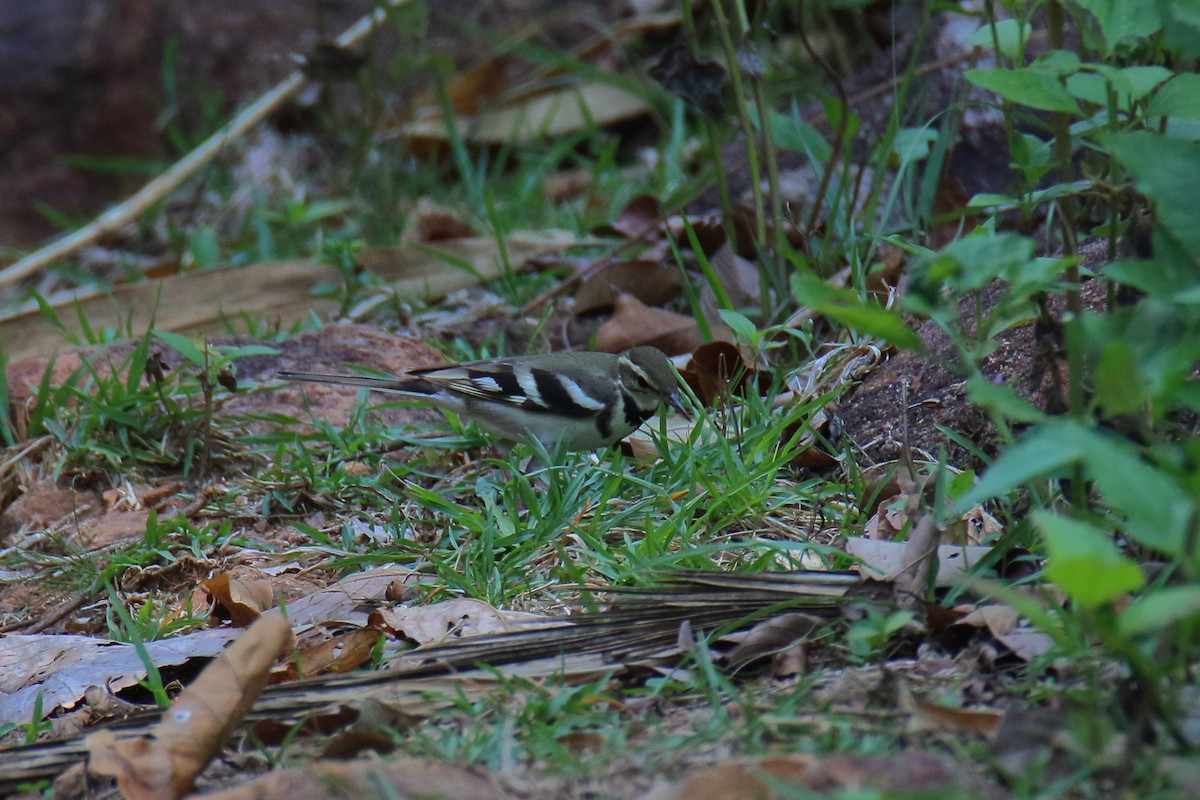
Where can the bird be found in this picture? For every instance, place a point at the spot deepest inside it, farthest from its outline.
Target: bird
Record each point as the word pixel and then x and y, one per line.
pixel 579 400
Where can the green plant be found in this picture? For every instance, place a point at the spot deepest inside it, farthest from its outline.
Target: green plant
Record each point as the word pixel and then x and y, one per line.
pixel 1111 470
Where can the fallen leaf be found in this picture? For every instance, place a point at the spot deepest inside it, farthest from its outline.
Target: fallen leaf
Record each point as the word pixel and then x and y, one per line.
pixel 651 282
pixel 779 777
pixel 163 765
pixel 1010 629
pixel 61 667
pixel 714 369
pixel 883 560
pixel 935 716
pixel 346 601
pixel 532 118
pixel 371 780
pixel 453 619
pixel 640 213
pixel 338 653
pixel 633 323
pixel 772 635
pixel 244 598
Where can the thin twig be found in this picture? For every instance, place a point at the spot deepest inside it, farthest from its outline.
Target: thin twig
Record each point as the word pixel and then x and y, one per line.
pixel 187 166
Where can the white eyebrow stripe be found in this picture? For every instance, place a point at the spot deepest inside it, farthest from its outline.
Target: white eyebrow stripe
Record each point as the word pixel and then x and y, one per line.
pixel 579 396
pixel 528 384
pixel 640 372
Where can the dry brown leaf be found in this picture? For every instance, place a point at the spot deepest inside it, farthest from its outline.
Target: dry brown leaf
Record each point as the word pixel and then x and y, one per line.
pixel 1010 629
pixel 935 716
pixel 345 601
pixel 640 213
pixel 203 301
pixel 164 764
pixel 244 598
pixel 752 778
pixel 565 110
pixel 338 653
pixel 739 277
pixel 714 368
pixel 883 560
pixel 61 667
pixel 975 527
pixel 370 780
pixel 651 282
pixel 633 323
pixel 454 619
pixel 562 187
pixel 770 636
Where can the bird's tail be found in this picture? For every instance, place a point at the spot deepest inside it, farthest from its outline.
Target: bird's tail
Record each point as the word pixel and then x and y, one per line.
pixel 412 386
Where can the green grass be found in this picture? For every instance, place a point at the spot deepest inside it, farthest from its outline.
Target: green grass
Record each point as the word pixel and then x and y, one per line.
pixel 1097 494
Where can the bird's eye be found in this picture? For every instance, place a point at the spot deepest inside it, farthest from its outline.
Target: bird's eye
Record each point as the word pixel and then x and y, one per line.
pixel 642 382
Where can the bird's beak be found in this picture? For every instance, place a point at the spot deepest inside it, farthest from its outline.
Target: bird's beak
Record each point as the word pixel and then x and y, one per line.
pixel 674 401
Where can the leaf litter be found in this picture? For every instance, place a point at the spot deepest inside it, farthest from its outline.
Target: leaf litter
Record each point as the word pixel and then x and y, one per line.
pixel 440 646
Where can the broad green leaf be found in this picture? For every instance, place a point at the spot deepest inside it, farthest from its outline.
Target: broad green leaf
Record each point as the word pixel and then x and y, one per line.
pixel 1166 170
pixel 795 135
pixel 1045 450
pixel 1118 382
pixel 849 309
pixel 1027 86
pixel 988 199
pixel 1129 84
pixel 1002 398
pixel 974 261
pixel 247 350
pixel 1159 609
pixel 1123 19
pixel 186 347
pixel 1009 34
pixel 1058 62
pixel 1180 25
pixel 912 144
pixel 739 323
pixel 1143 79
pixel 1178 97
pixel 1090 87
pixel 1085 562
pixel 1157 510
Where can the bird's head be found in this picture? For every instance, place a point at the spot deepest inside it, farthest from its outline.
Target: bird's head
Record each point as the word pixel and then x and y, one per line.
pixel 647 374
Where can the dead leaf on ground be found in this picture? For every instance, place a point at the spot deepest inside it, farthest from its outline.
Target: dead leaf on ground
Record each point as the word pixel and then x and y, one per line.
pixel 771 778
pixel 371 780
pixel 564 110
pixel 204 301
pixel 61 667
pixel 346 601
pixel 773 636
pixel 715 369
pixel 430 222
pixel 1011 630
pixel 562 187
pixel 739 277
pixel 884 560
pixel 653 282
pixel 338 653
pixel 244 598
pixel 642 212
pixel 633 323
pixel 164 764
pixel 454 619
pixel 929 716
